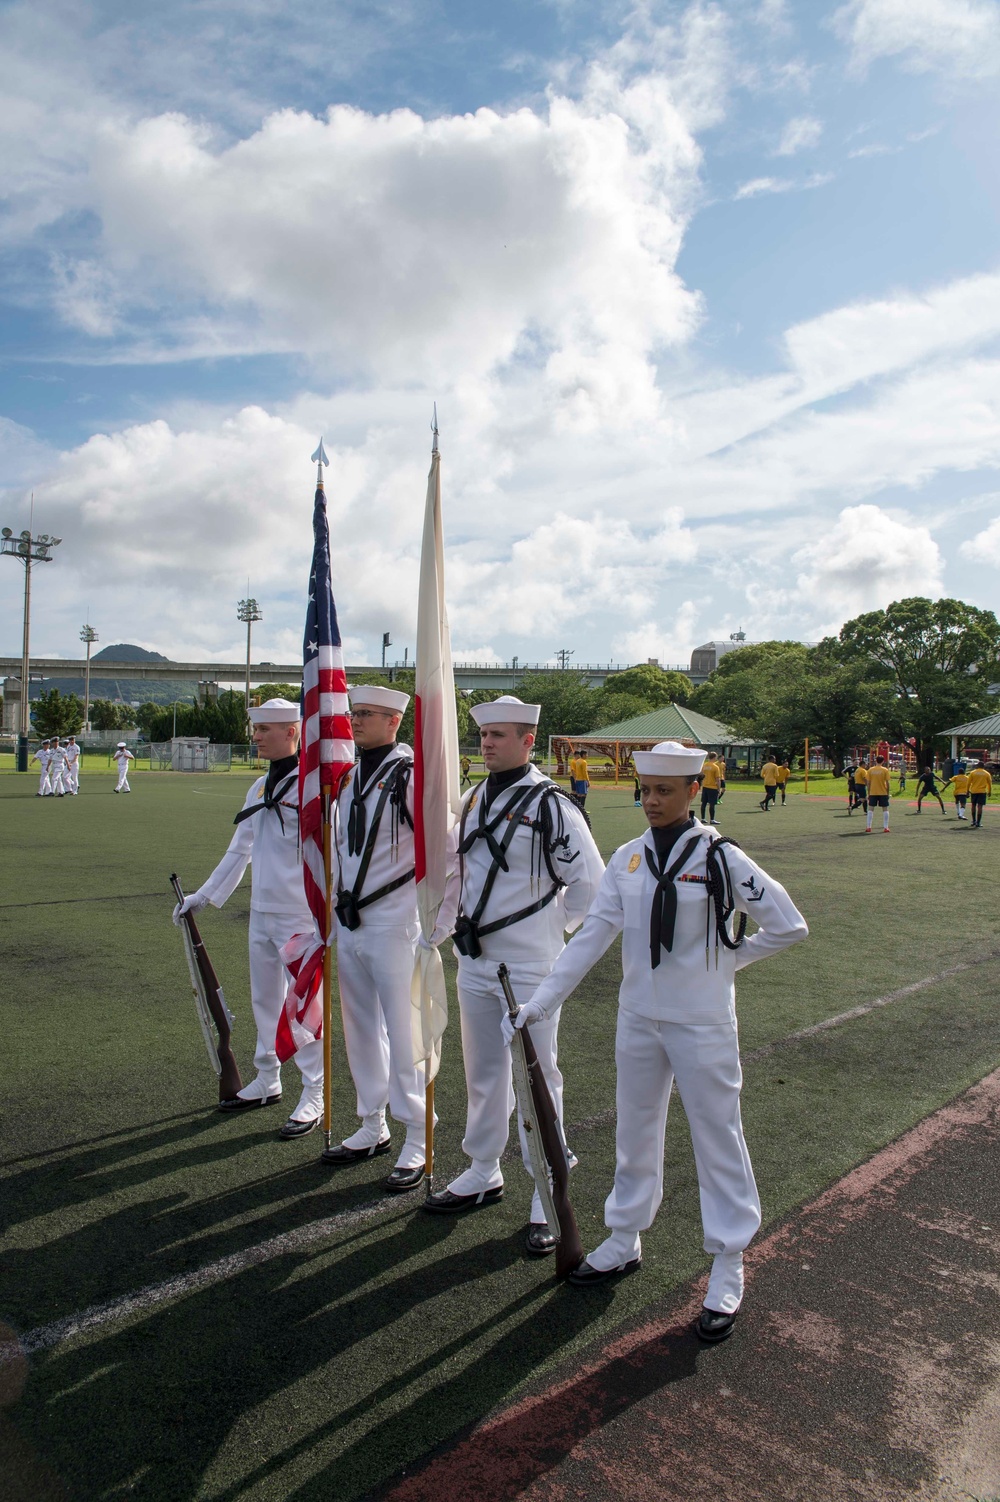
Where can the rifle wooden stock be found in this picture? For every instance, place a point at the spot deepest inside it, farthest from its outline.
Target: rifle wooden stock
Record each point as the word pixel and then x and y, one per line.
pixel 569 1248
pixel 230 1080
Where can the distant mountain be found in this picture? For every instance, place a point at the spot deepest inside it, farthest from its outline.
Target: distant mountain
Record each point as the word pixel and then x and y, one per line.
pixel 124 652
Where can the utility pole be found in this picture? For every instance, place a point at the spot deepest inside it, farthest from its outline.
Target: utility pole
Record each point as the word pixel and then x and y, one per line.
pixel 29 550
pixel 88 635
pixel 386 642
pixel 563 656
pixel 248 610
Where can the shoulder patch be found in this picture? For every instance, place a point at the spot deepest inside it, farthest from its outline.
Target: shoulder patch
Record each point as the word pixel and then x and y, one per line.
pixel 635 862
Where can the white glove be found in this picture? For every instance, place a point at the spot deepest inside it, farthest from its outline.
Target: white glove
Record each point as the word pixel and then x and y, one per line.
pixel 526 1015
pixel 423 943
pixel 192 904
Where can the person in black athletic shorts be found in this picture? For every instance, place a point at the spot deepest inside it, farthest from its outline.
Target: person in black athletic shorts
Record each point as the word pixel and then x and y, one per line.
pixel 927 788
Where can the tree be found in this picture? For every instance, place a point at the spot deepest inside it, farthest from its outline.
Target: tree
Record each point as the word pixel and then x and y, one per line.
pixel 941 656
pixel 569 704
pixel 57 714
pixel 750 690
pixel 145 717
pixel 106 715
pixel 648 681
pixel 611 707
pixel 839 705
pixel 264 691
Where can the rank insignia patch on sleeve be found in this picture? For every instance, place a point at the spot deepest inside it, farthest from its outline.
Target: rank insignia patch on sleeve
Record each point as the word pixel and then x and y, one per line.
pixel 635 862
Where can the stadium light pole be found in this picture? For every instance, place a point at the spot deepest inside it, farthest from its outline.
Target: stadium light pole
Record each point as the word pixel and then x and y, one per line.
pixel 88 635
pixel 249 611
pixel 29 550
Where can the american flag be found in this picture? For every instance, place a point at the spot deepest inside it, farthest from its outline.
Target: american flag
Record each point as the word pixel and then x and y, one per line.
pixel 327 753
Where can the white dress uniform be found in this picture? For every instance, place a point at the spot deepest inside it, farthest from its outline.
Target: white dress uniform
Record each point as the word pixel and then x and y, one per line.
pixel 71 778
pixel 43 756
pixel 677 1022
pixel 57 770
pixel 269 839
pixel 560 887
pixel 375 958
pixel 123 756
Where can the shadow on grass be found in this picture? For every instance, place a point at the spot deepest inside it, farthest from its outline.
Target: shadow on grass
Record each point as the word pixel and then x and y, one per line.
pixel 190 1375
pixel 159 1237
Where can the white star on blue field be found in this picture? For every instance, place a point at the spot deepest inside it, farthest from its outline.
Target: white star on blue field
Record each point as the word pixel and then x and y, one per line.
pixel 707 294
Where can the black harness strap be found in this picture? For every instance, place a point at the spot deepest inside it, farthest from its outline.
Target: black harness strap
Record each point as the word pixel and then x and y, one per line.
pixel 719 885
pixel 350 903
pixel 468 929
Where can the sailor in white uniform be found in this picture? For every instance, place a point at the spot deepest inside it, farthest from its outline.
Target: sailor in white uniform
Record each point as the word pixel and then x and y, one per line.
pixel 122 756
pixel 672 894
pixel 43 756
pixel 72 774
pixel 57 767
pixel 267 835
pixel 376 932
pixel 526 869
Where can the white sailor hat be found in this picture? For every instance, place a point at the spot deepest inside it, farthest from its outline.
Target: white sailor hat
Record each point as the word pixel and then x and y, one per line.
pixel 507 710
pixel 275 712
pixel 120 745
pixel 374 697
pixel 669 759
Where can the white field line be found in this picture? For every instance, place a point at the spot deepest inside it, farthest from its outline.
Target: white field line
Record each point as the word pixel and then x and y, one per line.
pixel 44 1337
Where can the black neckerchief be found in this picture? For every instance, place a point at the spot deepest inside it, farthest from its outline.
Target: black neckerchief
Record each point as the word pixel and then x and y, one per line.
pixel 279 774
pixel 663 914
pixel 496 782
pixel 369 761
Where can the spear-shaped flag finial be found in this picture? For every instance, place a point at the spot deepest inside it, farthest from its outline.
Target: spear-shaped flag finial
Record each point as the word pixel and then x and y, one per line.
pixel 434 430
pixel 319 459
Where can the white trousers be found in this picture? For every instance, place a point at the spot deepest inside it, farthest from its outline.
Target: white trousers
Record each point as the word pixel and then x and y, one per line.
pixel 123 786
pixel 705 1061
pixel 44 782
pixel 269 982
pixel 487 1063
pixel 58 775
pixel 73 778
pixel 374 970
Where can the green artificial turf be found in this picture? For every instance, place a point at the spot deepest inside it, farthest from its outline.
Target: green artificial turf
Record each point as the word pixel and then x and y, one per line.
pixel 325 1370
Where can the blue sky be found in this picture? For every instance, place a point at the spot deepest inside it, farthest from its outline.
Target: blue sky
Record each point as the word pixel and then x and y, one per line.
pixel 708 295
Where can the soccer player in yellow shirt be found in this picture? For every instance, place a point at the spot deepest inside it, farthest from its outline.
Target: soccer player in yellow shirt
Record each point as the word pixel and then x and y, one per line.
pixel 861 786
pixel 959 780
pixel 713 783
pixel 769 774
pixel 784 772
pixel 878 794
pixel 980 788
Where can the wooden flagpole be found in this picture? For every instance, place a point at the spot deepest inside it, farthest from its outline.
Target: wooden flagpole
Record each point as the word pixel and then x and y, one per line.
pixel 327 973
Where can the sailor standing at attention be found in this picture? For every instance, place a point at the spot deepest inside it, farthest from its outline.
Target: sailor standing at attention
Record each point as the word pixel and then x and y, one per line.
pixel 377 938
pixel 43 756
pixel 72 766
pixel 526 870
pixel 671 894
pixel 267 834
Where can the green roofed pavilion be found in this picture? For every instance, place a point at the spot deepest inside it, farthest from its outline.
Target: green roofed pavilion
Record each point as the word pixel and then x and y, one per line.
pixel 987 729
pixel 671 723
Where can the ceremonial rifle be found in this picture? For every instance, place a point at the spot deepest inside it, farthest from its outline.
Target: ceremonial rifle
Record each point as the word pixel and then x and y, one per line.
pixel 546 1144
pixel 210 1004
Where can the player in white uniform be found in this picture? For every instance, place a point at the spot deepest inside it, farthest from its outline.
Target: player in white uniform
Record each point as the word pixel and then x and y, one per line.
pixel 43 756
pixel 71 777
pixel 123 756
pixel 57 768
pixel 671 894
pixel 376 936
pixel 267 835
pixel 526 869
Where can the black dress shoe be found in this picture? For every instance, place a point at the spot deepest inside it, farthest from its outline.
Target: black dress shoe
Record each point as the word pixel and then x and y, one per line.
pixel 402 1179
pixel 341 1156
pixel 585 1276
pixel 293 1128
pixel 539 1241
pixel 240 1103
pixel 713 1326
pixel 447 1203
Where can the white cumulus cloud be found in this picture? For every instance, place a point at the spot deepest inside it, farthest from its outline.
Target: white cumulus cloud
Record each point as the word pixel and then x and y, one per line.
pixel 985 546
pixel 866 559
